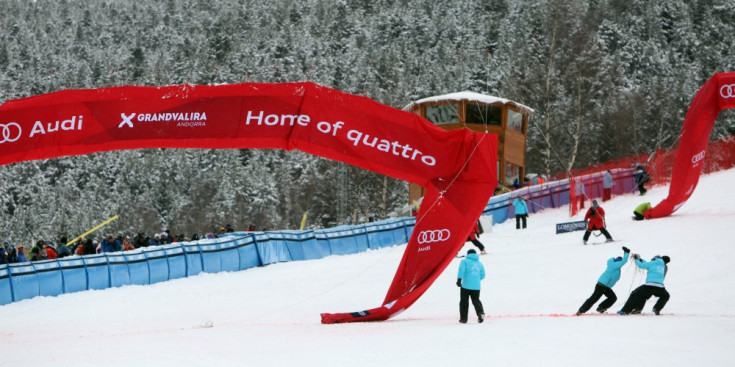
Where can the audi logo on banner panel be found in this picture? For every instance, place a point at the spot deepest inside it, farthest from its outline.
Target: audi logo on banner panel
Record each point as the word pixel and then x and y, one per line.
pixel 697 157
pixel 434 235
pixel 10 132
pixel 728 91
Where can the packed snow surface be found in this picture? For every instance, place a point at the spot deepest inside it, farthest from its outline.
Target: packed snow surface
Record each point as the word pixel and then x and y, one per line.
pixel 269 316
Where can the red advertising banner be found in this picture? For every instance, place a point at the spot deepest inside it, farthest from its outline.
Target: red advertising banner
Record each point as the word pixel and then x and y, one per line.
pixel 458 167
pixel 716 94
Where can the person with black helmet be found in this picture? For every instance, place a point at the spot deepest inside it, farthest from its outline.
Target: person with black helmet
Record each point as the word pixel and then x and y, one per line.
pixel 641 177
pixel 595 218
pixel 471 272
pixel 656 270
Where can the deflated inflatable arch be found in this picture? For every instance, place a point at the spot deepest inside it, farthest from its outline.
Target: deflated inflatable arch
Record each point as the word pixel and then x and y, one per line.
pixel 717 94
pixel 457 168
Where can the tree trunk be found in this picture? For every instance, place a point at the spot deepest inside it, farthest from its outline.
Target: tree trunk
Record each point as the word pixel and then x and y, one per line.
pixel 578 124
pixel 547 100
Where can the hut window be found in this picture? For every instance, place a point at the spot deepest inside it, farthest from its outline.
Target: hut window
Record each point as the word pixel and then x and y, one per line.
pixel 484 114
pixel 442 114
pixel 515 120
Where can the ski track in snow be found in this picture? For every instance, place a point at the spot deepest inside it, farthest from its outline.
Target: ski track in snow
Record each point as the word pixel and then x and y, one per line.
pixel 536 280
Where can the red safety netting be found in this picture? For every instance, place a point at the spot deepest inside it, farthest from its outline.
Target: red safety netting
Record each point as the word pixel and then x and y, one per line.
pixel 720 156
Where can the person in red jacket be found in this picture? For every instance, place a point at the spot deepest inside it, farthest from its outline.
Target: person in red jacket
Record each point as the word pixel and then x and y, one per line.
pixel 595 218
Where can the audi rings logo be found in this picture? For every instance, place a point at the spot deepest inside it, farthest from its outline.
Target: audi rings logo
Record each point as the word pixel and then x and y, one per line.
pixel 10 132
pixel 697 157
pixel 436 235
pixel 728 91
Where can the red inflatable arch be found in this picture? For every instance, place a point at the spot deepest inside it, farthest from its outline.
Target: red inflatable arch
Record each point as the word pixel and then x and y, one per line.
pixel 458 168
pixel 717 94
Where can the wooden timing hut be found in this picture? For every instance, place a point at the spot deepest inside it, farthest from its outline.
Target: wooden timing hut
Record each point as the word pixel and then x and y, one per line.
pixel 480 112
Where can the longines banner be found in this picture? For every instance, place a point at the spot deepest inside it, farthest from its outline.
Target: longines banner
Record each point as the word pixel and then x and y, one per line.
pixel 458 168
pixel 717 94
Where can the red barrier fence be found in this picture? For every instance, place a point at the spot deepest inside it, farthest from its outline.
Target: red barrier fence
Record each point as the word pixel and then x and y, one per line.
pixel 720 156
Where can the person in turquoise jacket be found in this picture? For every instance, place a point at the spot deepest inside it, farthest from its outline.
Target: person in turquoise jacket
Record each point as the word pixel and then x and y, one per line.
pixel 605 283
pixel 471 272
pixel 656 270
pixel 521 211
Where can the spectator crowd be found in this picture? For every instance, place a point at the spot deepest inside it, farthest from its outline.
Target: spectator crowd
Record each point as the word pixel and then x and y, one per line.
pixel 10 254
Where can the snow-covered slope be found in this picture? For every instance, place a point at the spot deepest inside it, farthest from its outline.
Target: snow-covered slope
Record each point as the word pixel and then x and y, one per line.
pixel 270 316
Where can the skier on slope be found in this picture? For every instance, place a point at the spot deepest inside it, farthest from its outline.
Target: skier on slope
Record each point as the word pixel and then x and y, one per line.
pixel 656 270
pixel 595 218
pixel 605 283
pixel 471 272
pixel 641 178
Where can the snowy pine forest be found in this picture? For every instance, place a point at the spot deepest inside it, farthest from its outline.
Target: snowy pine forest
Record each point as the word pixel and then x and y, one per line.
pixel 607 79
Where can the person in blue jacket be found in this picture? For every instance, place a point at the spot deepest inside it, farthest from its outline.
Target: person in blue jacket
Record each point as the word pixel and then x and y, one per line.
pixel 471 272
pixel 656 270
pixel 521 211
pixel 605 283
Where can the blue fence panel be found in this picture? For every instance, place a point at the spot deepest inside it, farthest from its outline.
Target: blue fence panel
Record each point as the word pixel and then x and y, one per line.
pixel 399 233
pixel 293 241
pixel 361 238
pixel 322 241
pixel 98 272
pixel 24 281
pixel 193 258
pixel 138 267
pixel 408 225
pixel 6 289
pixel 119 271
pixel 380 235
pixel 74 273
pixel 157 264
pixel 271 251
pixel 50 279
pixel 176 261
pixel 229 257
pixel 313 247
pixel 342 241
pixel 248 252
pixel 498 207
pixel 210 256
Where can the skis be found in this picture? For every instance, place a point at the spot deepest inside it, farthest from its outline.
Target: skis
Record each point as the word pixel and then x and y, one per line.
pixel 601 243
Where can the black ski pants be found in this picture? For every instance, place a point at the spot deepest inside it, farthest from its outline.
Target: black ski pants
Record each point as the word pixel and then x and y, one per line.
pixel 640 295
pixel 602 230
pixel 519 218
pixel 600 290
pixel 477 243
pixel 464 305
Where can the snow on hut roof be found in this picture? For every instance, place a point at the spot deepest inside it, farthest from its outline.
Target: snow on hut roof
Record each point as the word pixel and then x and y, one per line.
pixel 467 96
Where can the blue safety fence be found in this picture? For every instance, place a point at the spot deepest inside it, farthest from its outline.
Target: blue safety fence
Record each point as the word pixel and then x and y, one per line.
pixel 232 252
pixel 556 194
pixel 243 250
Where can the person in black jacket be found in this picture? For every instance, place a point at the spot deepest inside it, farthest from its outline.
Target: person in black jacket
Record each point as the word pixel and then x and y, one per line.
pixel 641 177
pixel 61 248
